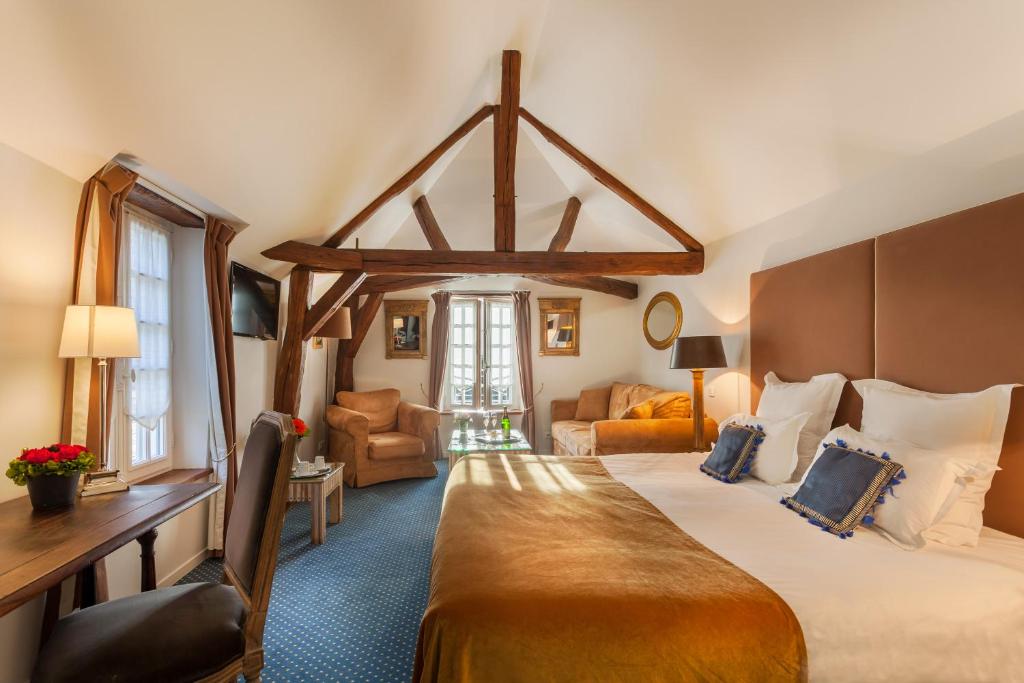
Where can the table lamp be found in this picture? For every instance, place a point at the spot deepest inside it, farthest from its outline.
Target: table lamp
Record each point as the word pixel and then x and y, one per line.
pixel 696 354
pixel 101 332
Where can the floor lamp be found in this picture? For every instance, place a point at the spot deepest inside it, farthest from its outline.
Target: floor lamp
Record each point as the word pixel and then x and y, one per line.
pixel 338 326
pixel 697 354
pixel 100 332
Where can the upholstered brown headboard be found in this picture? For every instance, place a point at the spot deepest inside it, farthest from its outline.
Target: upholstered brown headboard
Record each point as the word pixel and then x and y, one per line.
pixel 938 306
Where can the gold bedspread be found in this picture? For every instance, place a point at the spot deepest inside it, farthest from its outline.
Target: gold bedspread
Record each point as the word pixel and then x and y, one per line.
pixel 546 568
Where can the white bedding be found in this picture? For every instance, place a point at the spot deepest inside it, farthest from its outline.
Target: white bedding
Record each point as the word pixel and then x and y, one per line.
pixel 869 610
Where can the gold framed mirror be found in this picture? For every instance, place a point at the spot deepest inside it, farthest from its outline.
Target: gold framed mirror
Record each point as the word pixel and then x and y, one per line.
pixel 559 326
pixel 663 320
pixel 405 325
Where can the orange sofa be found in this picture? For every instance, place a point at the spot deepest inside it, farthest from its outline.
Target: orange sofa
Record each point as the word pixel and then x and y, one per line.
pixel 380 437
pixel 593 424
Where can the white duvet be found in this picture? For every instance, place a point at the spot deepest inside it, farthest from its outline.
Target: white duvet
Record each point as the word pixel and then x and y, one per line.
pixel 869 610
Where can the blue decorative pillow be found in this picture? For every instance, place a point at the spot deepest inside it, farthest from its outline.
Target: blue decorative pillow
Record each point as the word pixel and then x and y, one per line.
pixel 734 453
pixel 843 486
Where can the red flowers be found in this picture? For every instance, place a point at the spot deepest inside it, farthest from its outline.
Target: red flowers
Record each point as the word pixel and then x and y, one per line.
pixel 301 428
pixel 60 452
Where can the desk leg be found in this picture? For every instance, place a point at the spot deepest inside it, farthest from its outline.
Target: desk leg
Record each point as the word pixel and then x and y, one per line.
pixel 51 613
pixel 334 505
pixel 147 540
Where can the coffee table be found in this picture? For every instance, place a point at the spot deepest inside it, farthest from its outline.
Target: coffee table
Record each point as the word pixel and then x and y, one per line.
pixel 322 492
pixel 458 447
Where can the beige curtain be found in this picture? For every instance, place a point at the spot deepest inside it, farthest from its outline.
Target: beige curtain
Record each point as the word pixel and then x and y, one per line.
pixel 438 357
pixel 97 244
pixel 218 292
pixel 521 304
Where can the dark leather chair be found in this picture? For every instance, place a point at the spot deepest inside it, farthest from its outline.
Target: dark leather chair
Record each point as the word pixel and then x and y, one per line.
pixel 200 631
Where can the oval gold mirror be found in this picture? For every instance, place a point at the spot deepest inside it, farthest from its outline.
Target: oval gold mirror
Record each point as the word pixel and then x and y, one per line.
pixel 662 320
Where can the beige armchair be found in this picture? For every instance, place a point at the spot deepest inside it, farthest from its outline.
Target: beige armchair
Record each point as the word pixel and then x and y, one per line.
pixel 380 437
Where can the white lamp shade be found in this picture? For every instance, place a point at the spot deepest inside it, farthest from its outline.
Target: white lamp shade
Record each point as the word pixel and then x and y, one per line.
pixel 99 332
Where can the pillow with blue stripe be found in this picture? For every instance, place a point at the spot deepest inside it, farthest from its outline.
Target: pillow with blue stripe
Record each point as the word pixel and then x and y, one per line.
pixel 734 453
pixel 843 486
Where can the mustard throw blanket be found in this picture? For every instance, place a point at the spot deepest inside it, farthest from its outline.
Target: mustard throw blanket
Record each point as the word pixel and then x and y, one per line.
pixel 547 569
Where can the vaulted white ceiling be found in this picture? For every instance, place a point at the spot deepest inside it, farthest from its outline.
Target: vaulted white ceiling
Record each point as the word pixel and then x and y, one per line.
pixel 292 116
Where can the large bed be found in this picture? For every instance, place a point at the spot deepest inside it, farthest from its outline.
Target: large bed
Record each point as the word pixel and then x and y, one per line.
pixel 640 568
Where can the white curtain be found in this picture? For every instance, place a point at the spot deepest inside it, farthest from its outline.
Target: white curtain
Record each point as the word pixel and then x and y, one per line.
pixel 148 285
pixel 218 444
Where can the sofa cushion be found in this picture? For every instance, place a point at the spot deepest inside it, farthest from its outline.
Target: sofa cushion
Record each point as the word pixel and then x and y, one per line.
pixel 641 411
pixel 625 396
pixel 380 407
pixel 561 430
pixel 593 404
pixel 394 446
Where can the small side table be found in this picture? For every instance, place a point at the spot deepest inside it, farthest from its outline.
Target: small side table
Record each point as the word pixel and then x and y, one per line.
pixel 323 493
pixel 458 448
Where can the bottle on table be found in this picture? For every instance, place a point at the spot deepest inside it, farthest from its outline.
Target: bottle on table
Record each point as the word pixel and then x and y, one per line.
pixel 506 425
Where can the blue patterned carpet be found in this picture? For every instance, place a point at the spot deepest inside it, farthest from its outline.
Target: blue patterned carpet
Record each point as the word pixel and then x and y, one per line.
pixel 350 609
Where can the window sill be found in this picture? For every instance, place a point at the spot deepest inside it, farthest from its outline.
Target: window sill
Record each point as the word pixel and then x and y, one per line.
pixel 474 411
pixel 182 476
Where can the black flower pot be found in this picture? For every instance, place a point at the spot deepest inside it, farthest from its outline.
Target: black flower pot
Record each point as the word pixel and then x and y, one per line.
pixel 52 491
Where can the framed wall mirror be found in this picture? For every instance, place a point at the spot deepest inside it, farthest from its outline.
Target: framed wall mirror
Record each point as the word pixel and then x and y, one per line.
pixel 559 327
pixel 405 328
pixel 663 320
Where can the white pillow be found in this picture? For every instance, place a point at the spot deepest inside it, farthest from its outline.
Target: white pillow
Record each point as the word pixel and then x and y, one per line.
pixel 819 396
pixel 973 422
pixel 934 480
pixel 777 455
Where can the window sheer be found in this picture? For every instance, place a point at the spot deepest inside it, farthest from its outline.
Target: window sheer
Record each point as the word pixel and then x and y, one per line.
pixel 146 384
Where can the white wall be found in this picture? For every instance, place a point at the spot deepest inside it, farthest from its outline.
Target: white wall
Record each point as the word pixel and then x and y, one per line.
pixel 37 223
pixel 609 328
pixel 255 362
pixel 981 167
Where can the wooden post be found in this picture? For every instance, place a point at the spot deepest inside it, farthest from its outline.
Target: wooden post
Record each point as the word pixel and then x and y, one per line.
pixel 506 131
pixel 292 356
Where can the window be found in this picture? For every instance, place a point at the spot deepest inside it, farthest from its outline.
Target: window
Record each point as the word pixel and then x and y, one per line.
pixel 481 354
pixel 144 383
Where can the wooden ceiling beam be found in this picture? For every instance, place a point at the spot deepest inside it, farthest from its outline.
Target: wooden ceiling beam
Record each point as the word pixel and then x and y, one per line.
pixel 506 131
pixel 361 325
pixel 291 357
pixel 561 239
pixel 431 230
pixel 422 262
pixel 596 283
pixel 411 176
pixel 339 292
pixel 397 283
pixel 614 184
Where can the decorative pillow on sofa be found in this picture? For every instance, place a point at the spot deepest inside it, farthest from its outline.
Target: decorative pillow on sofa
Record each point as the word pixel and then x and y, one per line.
pixel 777 454
pixel 662 406
pixel 818 396
pixel 593 404
pixel 843 486
pixel 734 453
pixel 624 396
pixel 973 423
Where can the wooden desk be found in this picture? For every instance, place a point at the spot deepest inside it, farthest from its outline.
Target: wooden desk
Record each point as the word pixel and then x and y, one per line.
pixel 38 550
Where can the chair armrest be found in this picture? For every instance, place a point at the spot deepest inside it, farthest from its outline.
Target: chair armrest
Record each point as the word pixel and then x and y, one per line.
pixel 349 421
pixel 563 409
pixel 418 421
pixel 674 435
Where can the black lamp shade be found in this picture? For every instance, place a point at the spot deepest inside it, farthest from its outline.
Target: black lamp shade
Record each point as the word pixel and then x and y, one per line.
pixel 697 353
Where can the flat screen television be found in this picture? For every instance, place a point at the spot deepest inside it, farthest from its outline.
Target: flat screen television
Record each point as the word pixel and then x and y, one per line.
pixel 254 301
